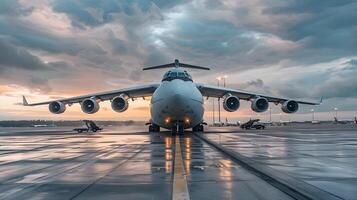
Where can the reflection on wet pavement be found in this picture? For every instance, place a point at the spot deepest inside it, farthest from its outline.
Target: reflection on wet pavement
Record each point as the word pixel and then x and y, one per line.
pixel 115 164
pixel 118 165
pixel 101 166
pixel 212 175
pixel 325 158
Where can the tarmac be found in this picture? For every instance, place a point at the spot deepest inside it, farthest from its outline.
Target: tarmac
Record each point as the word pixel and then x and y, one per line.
pixel 299 162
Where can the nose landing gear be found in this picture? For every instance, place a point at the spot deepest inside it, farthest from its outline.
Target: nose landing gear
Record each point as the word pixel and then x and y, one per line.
pixel 178 128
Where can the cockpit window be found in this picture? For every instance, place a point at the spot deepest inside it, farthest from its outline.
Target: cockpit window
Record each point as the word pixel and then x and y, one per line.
pixel 173 74
pixel 169 76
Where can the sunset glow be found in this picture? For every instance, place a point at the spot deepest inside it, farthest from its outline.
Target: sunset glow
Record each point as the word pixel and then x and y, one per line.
pixel 55 49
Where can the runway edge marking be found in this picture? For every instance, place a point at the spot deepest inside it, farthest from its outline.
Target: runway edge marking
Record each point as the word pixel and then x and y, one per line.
pixel 293 187
pixel 179 186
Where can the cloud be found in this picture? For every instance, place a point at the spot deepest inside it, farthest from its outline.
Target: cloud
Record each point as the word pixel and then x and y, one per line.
pixel 5 89
pixel 335 80
pixel 298 49
pixel 11 56
pixel 324 25
pixel 256 83
pixel 13 8
pixel 352 62
pixel 33 82
pixel 24 35
pixel 340 83
pixel 96 13
pixel 163 4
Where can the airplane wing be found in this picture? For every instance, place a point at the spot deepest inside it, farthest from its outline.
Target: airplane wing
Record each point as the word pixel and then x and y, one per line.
pixel 219 92
pixel 132 92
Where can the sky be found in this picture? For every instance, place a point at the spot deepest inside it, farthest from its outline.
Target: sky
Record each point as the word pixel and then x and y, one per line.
pixel 298 49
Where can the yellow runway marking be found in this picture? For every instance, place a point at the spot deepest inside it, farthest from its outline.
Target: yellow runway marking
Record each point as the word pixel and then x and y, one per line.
pixel 180 190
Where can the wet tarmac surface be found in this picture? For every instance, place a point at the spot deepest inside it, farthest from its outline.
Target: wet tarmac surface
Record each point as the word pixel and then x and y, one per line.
pixel 325 157
pixel 212 175
pixel 132 164
pixel 101 166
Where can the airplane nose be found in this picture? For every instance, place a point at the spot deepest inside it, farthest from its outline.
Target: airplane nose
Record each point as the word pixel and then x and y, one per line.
pixel 178 100
pixel 178 104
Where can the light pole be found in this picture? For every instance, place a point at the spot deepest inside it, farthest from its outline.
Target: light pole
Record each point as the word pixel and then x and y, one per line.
pixel 313 114
pixel 269 114
pixel 219 103
pixel 224 85
pixel 213 111
pixel 336 109
pixel 224 80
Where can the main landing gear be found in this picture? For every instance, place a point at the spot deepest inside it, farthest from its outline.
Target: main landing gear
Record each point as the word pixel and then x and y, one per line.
pixel 154 128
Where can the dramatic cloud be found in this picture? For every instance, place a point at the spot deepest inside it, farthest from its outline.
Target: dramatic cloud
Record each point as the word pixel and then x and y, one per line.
pixel 340 83
pixel 13 8
pixel 96 13
pixel 327 26
pixel 12 56
pixel 333 81
pixel 294 48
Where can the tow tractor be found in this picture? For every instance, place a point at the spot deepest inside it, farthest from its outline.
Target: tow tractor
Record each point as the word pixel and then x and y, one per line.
pixel 91 127
pixel 253 123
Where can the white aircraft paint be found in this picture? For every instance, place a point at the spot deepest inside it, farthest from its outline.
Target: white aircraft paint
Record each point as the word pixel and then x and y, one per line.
pixel 177 101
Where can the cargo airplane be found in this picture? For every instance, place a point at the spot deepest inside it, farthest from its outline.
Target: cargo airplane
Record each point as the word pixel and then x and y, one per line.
pixel 177 102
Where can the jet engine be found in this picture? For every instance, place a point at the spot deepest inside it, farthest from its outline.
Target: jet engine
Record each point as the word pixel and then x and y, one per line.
pixel 120 103
pixel 290 106
pixel 90 106
pixel 231 103
pixel 57 107
pixel 260 104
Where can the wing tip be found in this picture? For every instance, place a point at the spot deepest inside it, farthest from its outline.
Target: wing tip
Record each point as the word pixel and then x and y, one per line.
pixel 24 101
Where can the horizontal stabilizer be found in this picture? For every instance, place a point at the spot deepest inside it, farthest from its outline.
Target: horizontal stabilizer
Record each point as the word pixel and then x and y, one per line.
pixel 176 64
pixel 193 66
pixel 160 66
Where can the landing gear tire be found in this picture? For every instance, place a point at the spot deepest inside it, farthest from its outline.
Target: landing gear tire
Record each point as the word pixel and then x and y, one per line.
pixel 154 128
pixel 198 128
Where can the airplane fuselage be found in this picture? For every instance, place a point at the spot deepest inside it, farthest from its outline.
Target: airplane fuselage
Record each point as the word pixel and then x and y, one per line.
pixel 177 102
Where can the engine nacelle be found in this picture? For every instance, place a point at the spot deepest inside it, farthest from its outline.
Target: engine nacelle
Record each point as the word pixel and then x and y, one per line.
pixel 231 103
pixel 90 106
pixel 260 104
pixel 290 106
pixel 120 103
pixel 57 107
